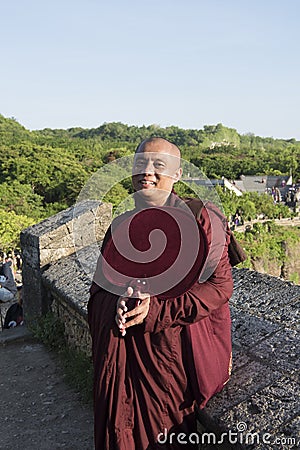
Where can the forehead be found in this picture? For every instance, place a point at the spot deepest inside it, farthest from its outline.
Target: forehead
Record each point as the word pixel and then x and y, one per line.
pixel 147 155
pixel 159 146
pixel 163 159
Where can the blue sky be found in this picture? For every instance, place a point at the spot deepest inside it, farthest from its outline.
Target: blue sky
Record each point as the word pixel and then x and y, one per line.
pixel 189 63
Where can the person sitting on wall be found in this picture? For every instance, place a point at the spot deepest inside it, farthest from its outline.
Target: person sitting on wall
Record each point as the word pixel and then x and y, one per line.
pixel 8 287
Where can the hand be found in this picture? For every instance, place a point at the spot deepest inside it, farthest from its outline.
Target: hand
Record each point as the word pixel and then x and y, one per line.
pixel 139 313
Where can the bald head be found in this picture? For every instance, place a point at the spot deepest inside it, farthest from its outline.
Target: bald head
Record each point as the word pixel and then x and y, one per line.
pixel 158 144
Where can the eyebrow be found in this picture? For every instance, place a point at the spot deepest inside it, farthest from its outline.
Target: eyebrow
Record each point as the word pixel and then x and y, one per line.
pixel 143 158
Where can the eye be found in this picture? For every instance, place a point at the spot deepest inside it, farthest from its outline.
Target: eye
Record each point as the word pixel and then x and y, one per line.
pixel 139 163
pixel 159 164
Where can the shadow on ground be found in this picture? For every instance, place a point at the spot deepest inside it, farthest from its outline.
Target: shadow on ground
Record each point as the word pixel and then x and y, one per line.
pixel 38 410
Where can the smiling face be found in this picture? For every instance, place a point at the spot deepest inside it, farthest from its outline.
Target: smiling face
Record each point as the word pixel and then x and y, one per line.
pixel 156 168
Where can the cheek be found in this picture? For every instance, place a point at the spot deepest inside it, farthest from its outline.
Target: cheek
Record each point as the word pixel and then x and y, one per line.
pixel 166 182
pixel 134 180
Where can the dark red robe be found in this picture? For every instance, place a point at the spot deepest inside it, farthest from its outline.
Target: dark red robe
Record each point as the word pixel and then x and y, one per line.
pixel 145 385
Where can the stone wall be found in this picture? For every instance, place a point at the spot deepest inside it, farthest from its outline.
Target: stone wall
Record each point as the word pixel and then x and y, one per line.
pixel 263 394
pixel 67 286
pixel 55 238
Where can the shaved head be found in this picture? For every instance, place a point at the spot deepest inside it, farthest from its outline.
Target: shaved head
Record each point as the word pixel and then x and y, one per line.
pixel 158 144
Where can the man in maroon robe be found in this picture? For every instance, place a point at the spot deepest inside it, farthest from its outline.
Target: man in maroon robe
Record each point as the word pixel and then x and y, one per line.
pixel 148 359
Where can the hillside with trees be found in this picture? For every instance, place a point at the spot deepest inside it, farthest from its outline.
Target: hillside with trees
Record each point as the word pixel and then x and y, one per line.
pixel 43 171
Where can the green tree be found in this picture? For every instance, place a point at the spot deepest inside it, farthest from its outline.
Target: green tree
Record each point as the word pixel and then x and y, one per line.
pixel 21 199
pixel 11 225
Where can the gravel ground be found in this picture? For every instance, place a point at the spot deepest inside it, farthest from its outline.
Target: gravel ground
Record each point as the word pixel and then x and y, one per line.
pixel 38 410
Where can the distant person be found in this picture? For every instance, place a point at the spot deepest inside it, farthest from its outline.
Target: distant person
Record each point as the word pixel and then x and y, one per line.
pixel 2 257
pixel 277 195
pixel 8 287
pixel 14 315
pixel 18 262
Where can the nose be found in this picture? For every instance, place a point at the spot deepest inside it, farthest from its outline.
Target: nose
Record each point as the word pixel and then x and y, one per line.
pixel 149 168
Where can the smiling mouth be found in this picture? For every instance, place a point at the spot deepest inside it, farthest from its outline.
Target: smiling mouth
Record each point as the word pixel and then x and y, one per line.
pixel 146 183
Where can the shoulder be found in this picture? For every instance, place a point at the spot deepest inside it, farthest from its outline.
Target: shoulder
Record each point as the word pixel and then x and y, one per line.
pixel 6 267
pixel 204 209
pixel 114 224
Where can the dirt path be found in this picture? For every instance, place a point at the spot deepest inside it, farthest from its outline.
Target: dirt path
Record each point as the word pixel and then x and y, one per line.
pixel 38 410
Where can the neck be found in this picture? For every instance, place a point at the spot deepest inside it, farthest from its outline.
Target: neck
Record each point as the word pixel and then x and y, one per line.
pixel 142 201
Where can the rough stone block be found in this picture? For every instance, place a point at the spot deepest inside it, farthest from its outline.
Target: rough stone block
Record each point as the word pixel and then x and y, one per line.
pixel 53 240
pixel 287 316
pixel 239 358
pixel 280 351
pixel 248 330
pixel 267 410
pixel 288 436
pixel 244 382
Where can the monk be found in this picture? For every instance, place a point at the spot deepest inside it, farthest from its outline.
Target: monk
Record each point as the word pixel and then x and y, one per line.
pixel 145 374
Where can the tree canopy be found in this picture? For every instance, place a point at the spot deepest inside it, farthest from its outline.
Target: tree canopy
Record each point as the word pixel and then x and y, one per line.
pixel 43 171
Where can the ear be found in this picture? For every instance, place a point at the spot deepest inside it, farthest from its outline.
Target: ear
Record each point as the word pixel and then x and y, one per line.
pixel 178 175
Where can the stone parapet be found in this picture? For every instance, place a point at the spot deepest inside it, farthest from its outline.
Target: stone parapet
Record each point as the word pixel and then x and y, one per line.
pixel 53 239
pixel 67 284
pixel 261 401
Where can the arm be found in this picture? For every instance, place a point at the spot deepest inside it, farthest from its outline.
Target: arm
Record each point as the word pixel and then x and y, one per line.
pixel 205 296
pixel 9 283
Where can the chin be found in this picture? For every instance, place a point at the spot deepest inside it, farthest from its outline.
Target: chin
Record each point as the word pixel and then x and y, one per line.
pixel 153 196
pixel 149 192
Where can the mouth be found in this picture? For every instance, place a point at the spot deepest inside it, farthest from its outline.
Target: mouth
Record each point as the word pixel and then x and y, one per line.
pixel 147 184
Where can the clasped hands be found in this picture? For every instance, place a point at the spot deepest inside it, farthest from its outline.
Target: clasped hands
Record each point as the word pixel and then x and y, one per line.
pixel 136 315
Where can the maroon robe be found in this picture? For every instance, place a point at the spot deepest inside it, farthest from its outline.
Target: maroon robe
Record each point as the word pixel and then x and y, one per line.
pixel 145 385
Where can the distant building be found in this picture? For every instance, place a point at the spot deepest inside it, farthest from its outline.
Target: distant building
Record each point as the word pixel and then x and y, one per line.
pixel 223 182
pixel 204 181
pixel 263 183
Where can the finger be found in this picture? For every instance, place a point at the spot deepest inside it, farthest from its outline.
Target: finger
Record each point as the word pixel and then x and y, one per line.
pixel 121 311
pixel 133 312
pixel 120 319
pixel 140 309
pixel 135 321
pixel 121 305
pixel 129 292
pixel 121 327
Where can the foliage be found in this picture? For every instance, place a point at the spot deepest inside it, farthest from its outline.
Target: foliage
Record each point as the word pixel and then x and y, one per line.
pixel 50 330
pixel 251 205
pixel 42 172
pixel 21 199
pixel 268 241
pixel 116 195
pixel 10 226
pixel 295 278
